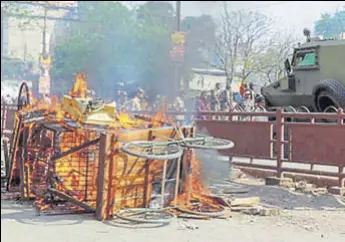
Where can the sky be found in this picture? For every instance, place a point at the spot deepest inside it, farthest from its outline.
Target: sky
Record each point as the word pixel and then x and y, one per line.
pixel 291 15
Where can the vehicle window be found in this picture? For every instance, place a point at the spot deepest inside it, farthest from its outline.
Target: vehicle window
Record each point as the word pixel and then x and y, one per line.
pixel 306 59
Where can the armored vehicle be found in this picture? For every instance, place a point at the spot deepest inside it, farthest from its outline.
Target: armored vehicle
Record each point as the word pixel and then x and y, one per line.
pixel 315 77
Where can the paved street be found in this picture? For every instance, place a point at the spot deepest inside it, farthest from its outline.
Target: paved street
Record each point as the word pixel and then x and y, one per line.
pixel 19 223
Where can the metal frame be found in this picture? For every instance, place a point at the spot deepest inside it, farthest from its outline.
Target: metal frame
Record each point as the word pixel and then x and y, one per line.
pixel 277 140
pixel 107 202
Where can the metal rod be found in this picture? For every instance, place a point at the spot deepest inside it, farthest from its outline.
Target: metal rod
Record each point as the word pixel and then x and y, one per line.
pixel 76 149
pixel 44 43
pixel 190 172
pixel 70 199
pixel 86 174
pixel 176 67
pixel 178 15
pixel 163 182
pixel 177 185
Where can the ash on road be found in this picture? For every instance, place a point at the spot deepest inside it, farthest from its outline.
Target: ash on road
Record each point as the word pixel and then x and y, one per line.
pixel 19 223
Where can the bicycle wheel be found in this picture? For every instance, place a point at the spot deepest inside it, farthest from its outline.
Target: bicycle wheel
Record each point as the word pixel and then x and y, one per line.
pixel 153 150
pixel 203 211
pixel 145 215
pixel 207 143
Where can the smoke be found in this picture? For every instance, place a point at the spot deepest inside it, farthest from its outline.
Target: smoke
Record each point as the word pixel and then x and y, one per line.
pixel 213 166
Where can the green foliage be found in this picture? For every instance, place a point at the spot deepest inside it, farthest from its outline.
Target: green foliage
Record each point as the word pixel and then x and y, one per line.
pixel 111 44
pixel 331 25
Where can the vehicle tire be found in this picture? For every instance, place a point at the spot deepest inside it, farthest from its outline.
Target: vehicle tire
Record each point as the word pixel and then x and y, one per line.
pixel 328 93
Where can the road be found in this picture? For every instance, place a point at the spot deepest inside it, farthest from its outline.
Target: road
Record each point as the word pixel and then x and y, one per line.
pixel 19 223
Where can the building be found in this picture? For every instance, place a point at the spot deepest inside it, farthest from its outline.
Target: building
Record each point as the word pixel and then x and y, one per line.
pixel 206 79
pixel 22 34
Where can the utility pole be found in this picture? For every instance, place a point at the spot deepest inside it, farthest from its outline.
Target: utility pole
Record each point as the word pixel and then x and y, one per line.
pixel 44 32
pixel 178 15
pixel 176 64
pixel 45 61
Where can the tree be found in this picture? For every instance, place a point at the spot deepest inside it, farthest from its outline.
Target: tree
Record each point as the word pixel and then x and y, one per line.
pixel 200 39
pixel 270 63
pixel 331 25
pixel 243 36
pixel 248 47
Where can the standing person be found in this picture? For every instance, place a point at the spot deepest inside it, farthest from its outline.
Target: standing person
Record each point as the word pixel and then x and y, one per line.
pixel 260 102
pixel 251 89
pixel 218 94
pixel 179 107
pixel 243 88
pixel 201 104
pixel 135 103
pixel 227 99
pixel 214 101
pixel 156 103
pixel 226 103
pixel 260 106
pixel 248 103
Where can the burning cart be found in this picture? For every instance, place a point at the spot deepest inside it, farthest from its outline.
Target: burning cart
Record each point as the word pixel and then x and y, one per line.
pixel 80 155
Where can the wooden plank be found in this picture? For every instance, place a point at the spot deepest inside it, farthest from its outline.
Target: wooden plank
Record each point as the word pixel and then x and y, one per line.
pixel 103 148
pixel 245 202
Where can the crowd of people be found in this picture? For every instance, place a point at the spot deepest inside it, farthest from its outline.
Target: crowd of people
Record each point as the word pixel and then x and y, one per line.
pixel 216 100
pixel 225 100
pixel 141 103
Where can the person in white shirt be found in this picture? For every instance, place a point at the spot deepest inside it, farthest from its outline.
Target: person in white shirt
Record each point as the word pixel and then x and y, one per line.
pixel 46 99
pixel 179 107
pixel 135 103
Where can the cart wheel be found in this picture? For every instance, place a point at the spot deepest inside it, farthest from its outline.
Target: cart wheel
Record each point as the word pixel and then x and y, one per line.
pixel 153 150
pixel 207 142
pixel 146 215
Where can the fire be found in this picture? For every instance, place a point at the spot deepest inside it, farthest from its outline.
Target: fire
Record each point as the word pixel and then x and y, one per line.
pixel 75 173
pixel 160 119
pixel 79 87
pixel 194 190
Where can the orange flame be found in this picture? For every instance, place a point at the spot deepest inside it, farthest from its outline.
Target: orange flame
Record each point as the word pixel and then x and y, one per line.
pixel 79 87
pixel 70 169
